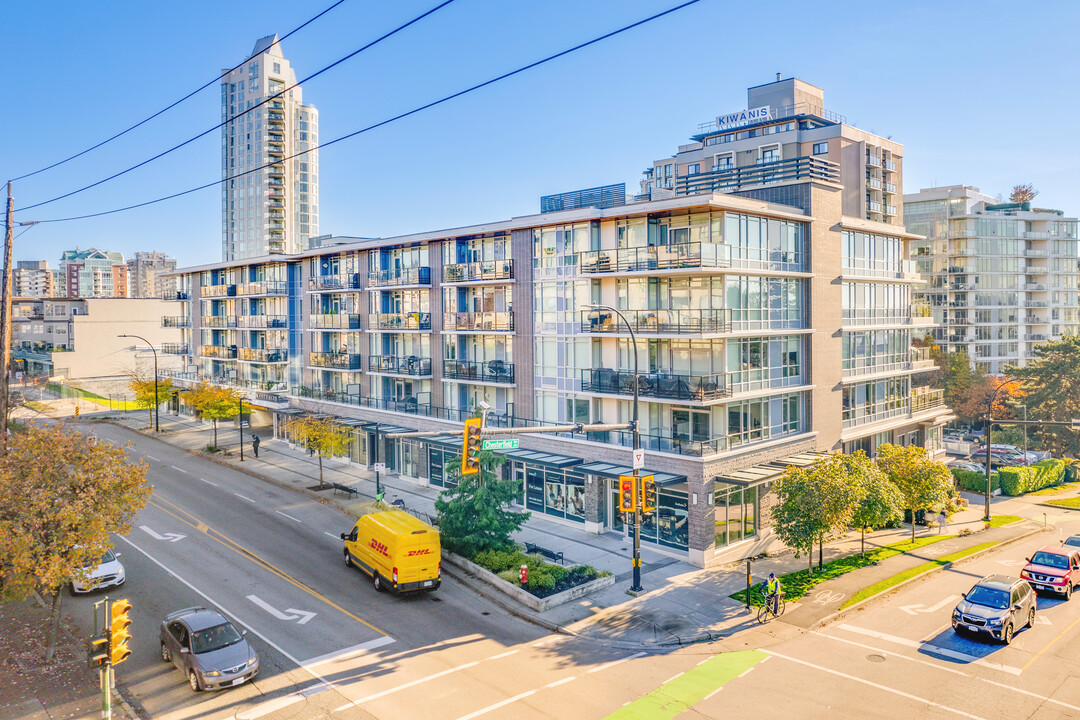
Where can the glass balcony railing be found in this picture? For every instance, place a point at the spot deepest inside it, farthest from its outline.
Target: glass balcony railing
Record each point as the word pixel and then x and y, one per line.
pixel 494 371
pixel 480 321
pixel 262 287
pixel 655 257
pixel 218 351
pixel 923 399
pixel 346 281
pixel 479 271
pixel 174 349
pixel 394 365
pixel 258 322
pixel 176 322
pixel 264 355
pixel 702 388
pixel 178 295
pixel 219 321
pixel 334 360
pixel 335 321
pixel 401 276
pixel 691 322
pixel 400 321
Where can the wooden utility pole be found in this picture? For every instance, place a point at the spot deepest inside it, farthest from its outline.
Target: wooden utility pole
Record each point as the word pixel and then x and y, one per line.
pixel 5 320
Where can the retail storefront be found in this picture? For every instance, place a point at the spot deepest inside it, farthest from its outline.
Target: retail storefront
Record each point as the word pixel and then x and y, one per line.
pixel 668 527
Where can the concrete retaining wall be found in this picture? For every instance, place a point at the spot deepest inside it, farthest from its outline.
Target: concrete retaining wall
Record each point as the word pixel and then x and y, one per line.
pixel 470 573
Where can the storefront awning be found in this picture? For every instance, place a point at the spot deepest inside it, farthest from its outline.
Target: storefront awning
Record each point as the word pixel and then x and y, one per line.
pixel 449 442
pixel 288 411
pixel 384 428
pixel 768 472
pixel 542 458
pixel 608 470
pixel 349 422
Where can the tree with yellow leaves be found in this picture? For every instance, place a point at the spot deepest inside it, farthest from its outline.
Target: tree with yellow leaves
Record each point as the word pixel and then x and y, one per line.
pixel 61 494
pixel 149 394
pixel 320 434
pixel 213 402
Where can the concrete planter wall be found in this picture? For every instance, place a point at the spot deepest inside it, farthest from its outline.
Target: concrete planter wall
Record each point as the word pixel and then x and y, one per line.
pixel 470 573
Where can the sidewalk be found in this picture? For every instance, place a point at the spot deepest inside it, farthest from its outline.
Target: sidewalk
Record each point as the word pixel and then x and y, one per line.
pixel 681 603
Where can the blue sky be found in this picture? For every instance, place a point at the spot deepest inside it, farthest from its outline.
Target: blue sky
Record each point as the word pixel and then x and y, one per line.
pixel 979 93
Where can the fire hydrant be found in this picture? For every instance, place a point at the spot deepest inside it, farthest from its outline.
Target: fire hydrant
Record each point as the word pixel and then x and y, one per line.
pixel 524 575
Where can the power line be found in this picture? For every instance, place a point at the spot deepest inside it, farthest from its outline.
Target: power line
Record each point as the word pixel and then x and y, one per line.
pixel 388 120
pixel 171 106
pixel 241 114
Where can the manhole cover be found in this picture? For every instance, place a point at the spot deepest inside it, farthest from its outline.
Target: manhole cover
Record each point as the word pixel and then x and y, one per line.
pixel 876 658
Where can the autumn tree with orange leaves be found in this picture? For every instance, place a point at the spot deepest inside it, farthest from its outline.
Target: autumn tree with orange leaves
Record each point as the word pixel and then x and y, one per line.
pixel 975 402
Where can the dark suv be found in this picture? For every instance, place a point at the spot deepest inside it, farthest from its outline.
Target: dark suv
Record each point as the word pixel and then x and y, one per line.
pixel 996 606
pixel 207 648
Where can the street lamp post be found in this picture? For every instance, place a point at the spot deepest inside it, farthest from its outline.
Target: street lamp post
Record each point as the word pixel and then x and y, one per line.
pixel 240 424
pixel 989 429
pixel 636 586
pixel 157 405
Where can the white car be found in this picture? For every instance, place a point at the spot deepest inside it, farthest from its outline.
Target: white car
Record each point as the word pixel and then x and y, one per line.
pixel 109 573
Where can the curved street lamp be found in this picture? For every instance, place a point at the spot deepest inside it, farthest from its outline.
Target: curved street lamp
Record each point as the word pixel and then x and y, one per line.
pixel 157 398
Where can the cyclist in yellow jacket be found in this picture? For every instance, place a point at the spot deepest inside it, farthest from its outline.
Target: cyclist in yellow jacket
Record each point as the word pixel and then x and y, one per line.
pixel 772 592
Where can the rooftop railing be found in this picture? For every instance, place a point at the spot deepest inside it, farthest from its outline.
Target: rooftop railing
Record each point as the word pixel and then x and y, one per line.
pixel 780 171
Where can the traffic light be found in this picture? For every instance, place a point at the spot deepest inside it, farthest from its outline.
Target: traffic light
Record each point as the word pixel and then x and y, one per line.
pixel 470 448
pixel 119 620
pixel 627 493
pixel 97 650
pixel 648 493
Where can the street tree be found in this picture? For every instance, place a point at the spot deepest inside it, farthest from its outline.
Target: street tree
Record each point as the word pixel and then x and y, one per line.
pixel 213 402
pixel 922 482
pixel 881 502
pixel 474 513
pixel 149 394
pixel 955 376
pixel 61 494
pixel 320 434
pixel 1051 381
pixel 976 401
pixel 816 500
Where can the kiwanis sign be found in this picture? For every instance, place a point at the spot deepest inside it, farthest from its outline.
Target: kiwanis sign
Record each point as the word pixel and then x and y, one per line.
pixel 743 117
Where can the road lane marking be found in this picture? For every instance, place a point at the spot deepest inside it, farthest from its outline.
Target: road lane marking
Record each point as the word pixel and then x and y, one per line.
pixel 746 671
pixel 497 705
pixel 350 652
pixel 674 677
pixel 336 537
pixel 1049 644
pixel 282 702
pixel 208 482
pixel 153 458
pixel 180 469
pixel 886 688
pixel 713 692
pixel 414 683
pixel 289 614
pixel 557 683
pixel 243 497
pixel 934 649
pixel 502 655
pixel 542 643
pixel 613 663
pixel 289 516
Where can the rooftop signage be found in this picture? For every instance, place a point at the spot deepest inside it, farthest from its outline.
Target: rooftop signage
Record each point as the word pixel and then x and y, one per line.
pixel 743 117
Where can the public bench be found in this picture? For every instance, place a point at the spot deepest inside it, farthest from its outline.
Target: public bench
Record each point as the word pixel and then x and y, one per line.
pixel 345 489
pixel 533 549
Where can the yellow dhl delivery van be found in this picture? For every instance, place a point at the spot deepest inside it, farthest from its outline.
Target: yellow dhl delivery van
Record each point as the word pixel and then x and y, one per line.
pixel 397 550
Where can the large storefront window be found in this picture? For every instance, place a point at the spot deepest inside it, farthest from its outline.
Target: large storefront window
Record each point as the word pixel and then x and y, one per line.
pixel 555 492
pixel 411 458
pixel 437 459
pixel 669 526
pixel 736 513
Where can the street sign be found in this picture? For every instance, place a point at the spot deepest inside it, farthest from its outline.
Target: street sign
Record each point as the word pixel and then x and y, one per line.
pixel 379 467
pixel 509 444
pixel 639 458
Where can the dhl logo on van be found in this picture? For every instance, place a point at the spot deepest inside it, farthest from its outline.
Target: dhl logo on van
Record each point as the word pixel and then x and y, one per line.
pixel 379 548
pixel 425 551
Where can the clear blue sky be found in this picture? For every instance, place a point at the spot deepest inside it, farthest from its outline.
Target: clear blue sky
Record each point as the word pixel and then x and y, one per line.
pixel 980 93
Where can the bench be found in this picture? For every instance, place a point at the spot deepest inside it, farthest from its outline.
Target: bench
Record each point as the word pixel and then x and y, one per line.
pixel 345 489
pixel 533 549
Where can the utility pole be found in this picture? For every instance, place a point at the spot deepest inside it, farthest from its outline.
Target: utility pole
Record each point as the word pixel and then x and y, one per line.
pixel 5 317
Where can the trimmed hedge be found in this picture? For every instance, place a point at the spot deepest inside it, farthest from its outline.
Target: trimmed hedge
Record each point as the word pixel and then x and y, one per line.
pixel 544 578
pixel 974 481
pixel 1043 474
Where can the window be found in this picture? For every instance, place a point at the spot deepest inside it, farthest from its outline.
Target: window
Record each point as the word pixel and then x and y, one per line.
pixel 693 168
pixel 821 148
pixel 770 155
pixel 277 67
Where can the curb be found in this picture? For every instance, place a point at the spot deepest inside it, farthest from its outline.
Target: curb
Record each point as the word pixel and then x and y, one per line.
pixel 939 568
pixel 1057 507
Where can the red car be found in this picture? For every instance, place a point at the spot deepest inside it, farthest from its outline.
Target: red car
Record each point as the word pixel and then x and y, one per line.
pixel 1054 569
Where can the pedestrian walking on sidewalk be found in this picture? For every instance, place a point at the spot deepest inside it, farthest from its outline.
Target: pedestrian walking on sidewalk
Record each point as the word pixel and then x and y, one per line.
pixel 941 520
pixel 255 445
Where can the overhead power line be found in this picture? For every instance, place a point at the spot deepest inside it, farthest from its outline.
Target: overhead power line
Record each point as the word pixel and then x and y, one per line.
pixel 241 114
pixel 395 118
pixel 165 109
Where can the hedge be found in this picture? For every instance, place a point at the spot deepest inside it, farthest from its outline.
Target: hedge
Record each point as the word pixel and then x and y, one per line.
pixel 974 481
pixel 1019 480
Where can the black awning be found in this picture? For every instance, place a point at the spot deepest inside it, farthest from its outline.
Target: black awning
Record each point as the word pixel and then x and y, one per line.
pixel 384 428
pixel 612 471
pixel 541 458
pixel 767 472
pixel 448 442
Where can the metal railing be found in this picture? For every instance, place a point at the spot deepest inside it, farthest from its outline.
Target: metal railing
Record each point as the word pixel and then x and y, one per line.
pixel 800 168
pixel 179 296
pixel 483 321
pixel 219 321
pixel 262 287
pixel 175 348
pixel 658 321
pixel 262 321
pixel 923 399
pixel 495 371
pixel 218 351
pixel 264 355
pixel 335 321
pixel 655 257
pixel 223 290
pixel 176 322
pixel 397 365
pixel 702 388
pixel 335 360
pixel 400 321
pixel 401 276
pixel 345 281
pixel 478 271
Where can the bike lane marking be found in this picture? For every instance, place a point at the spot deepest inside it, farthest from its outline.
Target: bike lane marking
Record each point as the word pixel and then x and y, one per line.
pixel 690 688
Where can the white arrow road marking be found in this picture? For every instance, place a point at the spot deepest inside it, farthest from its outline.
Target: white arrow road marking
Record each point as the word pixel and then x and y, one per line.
pixel 918 608
pixel 171 537
pixel 1042 620
pixel 1012 563
pixel 289 614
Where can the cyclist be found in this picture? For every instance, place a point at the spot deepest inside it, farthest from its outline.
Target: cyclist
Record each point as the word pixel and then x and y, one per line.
pixel 772 593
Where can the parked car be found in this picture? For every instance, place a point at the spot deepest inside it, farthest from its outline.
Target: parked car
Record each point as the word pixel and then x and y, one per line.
pixel 207 648
pixel 1073 541
pixel 967 465
pixel 999 458
pixel 996 606
pixel 108 573
pixel 1054 569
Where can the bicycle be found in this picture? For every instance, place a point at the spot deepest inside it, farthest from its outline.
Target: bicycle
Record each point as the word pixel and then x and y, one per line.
pixel 770 608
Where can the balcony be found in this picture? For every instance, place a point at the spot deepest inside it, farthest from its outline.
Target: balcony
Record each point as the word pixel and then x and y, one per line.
pixel 492 371
pixel 921 358
pixel 480 321
pixel 1036 253
pixel 178 296
pixel 873 183
pixel 401 276
pixel 923 399
pixel 672 322
pixel 218 351
pixel 335 321
pixel 393 365
pixel 1034 287
pixel 218 321
pixel 344 281
pixel 334 360
pixel 873 160
pixel 176 322
pixel 479 271
pixel 262 287
pixel 801 168
pixel 209 291
pixel 1035 338
pixel 874 206
pixel 890 165
pixel 400 321
pixel 655 257
pixel 174 349
pixel 264 355
pixel 259 322
pixel 701 388
pixel 917 314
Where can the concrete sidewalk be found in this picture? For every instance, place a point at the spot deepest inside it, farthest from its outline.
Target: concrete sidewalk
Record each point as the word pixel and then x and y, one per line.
pixel 680 604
